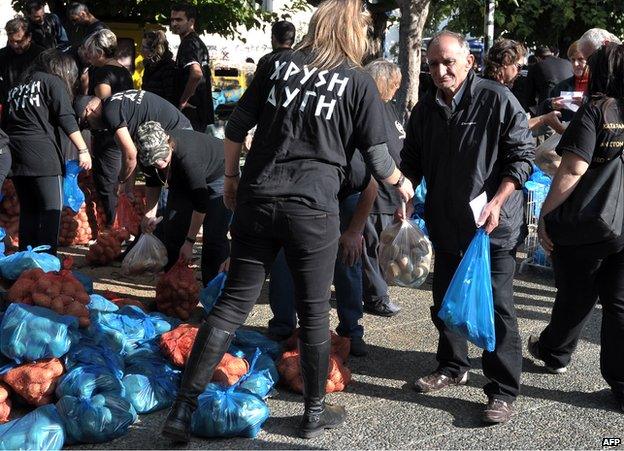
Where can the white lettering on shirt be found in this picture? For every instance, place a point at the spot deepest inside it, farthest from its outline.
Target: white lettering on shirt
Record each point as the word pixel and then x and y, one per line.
pixel 133 95
pixel 290 96
pixel 292 70
pixel 305 99
pixel 278 69
pixel 271 99
pixel 307 74
pixel 336 81
pixel 322 80
pixel 322 104
pixel 26 94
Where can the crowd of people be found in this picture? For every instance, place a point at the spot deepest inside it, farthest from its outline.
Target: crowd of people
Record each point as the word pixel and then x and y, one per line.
pixel 330 166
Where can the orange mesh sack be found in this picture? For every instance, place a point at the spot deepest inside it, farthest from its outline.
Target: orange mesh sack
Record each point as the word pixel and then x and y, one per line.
pixel 177 343
pixel 58 291
pixel 105 250
pixel 177 292
pixel 340 346
pixel 36 381
pixel 230 369
pixel 289 368
pixel 5 403
pixel 126 215
pixel 75 227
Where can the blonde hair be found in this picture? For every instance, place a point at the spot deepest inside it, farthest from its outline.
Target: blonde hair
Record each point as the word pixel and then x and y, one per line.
pixel 575 47
pixel 102 42
pixel 337 34
pixel 384 73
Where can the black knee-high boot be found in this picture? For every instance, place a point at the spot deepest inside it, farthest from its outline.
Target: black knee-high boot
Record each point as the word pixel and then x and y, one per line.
pixel 210 345
pixel 318 415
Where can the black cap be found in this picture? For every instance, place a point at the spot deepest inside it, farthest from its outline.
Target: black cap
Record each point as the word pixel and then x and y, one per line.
pixel 80 104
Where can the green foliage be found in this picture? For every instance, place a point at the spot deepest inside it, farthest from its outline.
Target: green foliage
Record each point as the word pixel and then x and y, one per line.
pixel 532 21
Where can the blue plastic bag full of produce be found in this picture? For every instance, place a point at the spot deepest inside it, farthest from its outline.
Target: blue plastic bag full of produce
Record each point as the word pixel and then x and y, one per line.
pixel 225 412
pixel 468 305
pixel 73 197
pixel 99 419
pixel 211 292
pixel 248 340
pixel 87 352
pixel 121 329
pixel 100 303
pixel 2 236
pixel 151 385
pixel 261 377
pixel 12 266
pixel 88 381
pixel 163 323
pixel 29 333
pixel 41 429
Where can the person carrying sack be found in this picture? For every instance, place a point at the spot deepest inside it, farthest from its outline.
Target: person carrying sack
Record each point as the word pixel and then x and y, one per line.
pixel 581 226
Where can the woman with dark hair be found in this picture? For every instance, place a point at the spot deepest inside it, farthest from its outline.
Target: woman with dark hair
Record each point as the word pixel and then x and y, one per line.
pixel 581 226
pixel 106 77
pixel 313 107
pixel 160 72
pixel 502 64
pixel 40 108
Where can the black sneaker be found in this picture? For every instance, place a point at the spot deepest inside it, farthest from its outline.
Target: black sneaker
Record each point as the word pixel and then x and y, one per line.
pixel 381 307
pixel 358 347
pixel 533 348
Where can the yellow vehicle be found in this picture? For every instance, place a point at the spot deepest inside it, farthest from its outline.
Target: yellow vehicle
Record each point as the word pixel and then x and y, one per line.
pixel 229 81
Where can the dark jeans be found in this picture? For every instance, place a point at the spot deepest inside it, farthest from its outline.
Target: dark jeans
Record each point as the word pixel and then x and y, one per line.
pixel 41 202
pixel 580 280
pixel 347 282
pixel 310 242
pixel 174 228
pixel 504 365
pixel 375 286
pixel 106 168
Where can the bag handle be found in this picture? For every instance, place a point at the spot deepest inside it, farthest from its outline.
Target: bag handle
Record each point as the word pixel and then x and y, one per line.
pixel 403 209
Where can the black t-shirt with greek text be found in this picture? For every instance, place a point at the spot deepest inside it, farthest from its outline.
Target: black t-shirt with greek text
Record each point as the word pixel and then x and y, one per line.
pixel 13 66
pixel 38 111
pixel 193 51
pixel 357 177
pixel 134 107
pixel 387 197
pixel 196 163
pixel 309 123
pixel 117 77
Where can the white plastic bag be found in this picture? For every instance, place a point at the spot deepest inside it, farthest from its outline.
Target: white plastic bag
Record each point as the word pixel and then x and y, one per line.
pixel 148 255
pixel 405 254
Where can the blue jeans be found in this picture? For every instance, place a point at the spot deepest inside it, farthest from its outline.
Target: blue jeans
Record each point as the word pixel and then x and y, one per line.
pixel 347 282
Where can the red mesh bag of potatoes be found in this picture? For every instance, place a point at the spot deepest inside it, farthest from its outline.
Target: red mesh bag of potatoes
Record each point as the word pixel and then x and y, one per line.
pixel 230 369
pixel 121 302
pixel 58 291
pixel 36 381
pixel 289 368
pixel 127 216
pixel 5 403
pixel 9 212
pixel 177 343
pixel 177 291
pixel 75 227
pixel 340 346
pixel 105 250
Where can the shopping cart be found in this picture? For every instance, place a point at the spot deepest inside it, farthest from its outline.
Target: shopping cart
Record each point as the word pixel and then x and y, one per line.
pixel 535 254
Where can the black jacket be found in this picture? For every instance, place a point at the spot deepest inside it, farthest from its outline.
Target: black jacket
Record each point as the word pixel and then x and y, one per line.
pixel 50 34
pixel 542 77
pixel 161 78
pixel 485 139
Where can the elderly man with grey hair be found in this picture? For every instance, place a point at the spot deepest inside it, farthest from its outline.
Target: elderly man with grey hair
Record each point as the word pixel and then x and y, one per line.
pixel 595 38
pixel 469 138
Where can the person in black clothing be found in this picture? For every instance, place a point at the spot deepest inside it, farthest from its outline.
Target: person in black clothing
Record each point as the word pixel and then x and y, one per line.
pixel 592 145
pixel 282 39
pixel 122 114
pixel 39 109
pixel 194 63
pixel 5 157
pixel 46 28
pixel 449 143
pixel 190 164
pixel 377 301
pixel 542 77
pixel 160 74
pixel 107 77
pixel 312 109
pixel 15 58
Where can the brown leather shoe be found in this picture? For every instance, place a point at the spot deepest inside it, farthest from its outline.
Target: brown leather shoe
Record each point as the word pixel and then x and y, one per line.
pixel 437 381
pixel 497 411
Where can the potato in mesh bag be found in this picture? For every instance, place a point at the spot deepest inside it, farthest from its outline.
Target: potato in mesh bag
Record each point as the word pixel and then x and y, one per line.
pixel 148 255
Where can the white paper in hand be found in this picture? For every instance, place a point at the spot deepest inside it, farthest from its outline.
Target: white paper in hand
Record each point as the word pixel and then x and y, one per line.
pixel 477 205
pixel 568 97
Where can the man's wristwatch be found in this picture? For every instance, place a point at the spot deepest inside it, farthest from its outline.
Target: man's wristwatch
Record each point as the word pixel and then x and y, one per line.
pixel 189 240
pixel 400 182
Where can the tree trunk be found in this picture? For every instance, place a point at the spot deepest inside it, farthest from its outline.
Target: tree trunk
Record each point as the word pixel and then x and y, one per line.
pixel 378 38
pixel 413 17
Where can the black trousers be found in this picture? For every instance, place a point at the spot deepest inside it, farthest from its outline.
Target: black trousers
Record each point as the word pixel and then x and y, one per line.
pixel 503 366
pixel 215 243
pixel 310 241
pixel 106 168
pixel 41 202
pixel 580 281
pixel 373 282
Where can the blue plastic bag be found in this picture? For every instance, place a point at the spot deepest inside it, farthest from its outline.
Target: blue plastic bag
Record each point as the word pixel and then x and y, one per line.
pixel 261 377
pixel 88 352
pixel 30 333
pixel 88 381
pixel 41 429
pixel 468 305
pixel 13 266
pixel 163 323
pixel 211 292
pixel 152 384
pixel 100 303
pixel 121 329
pixel 2 236
pixel 99 419
pixel 86 281
pixel 248 340
pixel 73 197
pixel 225 412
